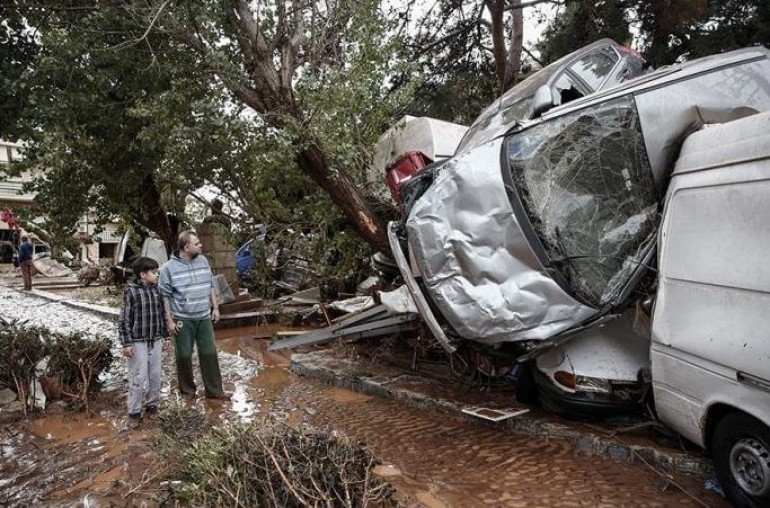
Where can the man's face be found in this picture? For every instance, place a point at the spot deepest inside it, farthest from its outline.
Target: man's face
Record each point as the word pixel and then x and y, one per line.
pixel 194 246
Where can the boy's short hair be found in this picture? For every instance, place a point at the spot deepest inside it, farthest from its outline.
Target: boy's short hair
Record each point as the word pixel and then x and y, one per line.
pixel 142 265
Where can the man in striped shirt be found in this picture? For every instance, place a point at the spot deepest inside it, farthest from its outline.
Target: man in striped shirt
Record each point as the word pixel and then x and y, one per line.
pixel 190 302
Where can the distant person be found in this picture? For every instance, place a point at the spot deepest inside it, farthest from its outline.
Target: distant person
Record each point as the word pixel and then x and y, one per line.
pixel 217 215
pixel 143 333
pixel 190 302
pixel 9 218
pixel 25 262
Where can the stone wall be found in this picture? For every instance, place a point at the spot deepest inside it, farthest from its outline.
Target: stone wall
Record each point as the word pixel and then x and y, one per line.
pixel 220 252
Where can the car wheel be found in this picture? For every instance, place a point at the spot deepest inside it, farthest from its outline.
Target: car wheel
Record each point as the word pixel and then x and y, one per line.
pixel 526 389
pixel 741 453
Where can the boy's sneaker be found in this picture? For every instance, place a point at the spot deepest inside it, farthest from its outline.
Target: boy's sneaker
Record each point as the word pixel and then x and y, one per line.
pixel 134 420
pixel 151 412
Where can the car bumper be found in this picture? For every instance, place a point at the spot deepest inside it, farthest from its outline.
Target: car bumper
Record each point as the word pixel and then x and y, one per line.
pixel 581 405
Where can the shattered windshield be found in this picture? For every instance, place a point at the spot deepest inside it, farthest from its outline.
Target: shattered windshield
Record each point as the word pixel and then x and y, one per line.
pixel 586 184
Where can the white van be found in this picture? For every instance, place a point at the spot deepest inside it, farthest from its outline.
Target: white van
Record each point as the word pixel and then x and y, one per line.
pixel 710 351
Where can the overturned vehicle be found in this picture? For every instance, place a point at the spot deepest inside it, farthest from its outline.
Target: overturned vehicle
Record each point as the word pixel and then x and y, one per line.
pixel 547 230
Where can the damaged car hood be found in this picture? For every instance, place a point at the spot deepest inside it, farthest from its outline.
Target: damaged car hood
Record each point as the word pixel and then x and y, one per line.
pixel 479 267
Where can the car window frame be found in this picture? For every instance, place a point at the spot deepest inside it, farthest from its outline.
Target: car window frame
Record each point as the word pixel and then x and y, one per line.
pixel 584 88
pixel 613 70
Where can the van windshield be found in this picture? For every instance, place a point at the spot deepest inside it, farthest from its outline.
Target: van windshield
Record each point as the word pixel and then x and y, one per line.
pixel 585 183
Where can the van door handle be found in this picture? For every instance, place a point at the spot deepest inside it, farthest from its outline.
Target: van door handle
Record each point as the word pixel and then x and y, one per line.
pixel 754 381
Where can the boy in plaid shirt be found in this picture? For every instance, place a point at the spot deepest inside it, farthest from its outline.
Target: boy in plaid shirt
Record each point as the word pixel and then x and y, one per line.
pixel 143 333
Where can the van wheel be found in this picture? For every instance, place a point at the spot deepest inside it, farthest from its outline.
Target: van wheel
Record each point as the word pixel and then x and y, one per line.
pixel 741 453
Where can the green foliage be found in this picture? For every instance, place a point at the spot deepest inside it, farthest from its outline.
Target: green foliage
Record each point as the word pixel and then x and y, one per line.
pixel 20 352
pixel 666 30
pixel 581 23
pixel 76 362
pixel 115 107
pixel 666 27
pixel 80 124
pixel 456 78
pixel 456 97
pixel 729 25
pixel 18 50
pixel 348 106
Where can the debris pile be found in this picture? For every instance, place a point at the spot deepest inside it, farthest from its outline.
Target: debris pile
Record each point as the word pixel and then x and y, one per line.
pixel 250 464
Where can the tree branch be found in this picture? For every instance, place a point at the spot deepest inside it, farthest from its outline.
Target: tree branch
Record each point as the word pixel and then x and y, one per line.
pixel 533 57
pixel 154 20
pixel 454 33
pixel 532 3
pixel 289 50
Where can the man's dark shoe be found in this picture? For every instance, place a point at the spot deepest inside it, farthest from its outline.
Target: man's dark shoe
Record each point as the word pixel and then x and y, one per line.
pixel 188 395
pixel 219 396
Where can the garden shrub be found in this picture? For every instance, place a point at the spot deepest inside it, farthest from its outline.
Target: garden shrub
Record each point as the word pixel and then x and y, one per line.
pixel 73 360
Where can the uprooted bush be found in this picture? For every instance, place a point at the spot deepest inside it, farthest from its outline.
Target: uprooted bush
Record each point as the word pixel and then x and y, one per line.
pixel 77 362
pixel 29 353
pixel 251 464
pixel 21 350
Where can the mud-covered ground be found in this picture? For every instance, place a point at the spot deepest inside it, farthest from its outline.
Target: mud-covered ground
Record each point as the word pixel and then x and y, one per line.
pixel 62 458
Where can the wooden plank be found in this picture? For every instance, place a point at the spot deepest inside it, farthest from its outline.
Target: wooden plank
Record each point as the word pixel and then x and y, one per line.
pixel 384 326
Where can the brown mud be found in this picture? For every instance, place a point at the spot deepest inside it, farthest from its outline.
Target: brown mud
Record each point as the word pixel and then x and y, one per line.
pixel 433 459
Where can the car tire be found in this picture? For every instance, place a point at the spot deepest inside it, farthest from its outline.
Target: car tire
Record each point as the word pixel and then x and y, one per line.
pixel 740 448
pixel 526 388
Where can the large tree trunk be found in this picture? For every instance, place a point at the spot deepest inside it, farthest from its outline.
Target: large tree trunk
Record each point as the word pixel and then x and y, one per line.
pixel 507 59
pixel 513 63
pixel 345 195
pixel 153 214
pixel 311 159
pixel 497 16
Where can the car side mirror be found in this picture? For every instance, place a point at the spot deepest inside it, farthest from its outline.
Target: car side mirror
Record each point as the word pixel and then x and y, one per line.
pixel 542 101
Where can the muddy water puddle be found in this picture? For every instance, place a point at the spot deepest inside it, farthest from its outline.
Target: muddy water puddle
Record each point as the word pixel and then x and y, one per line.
pixel 433 459
pixel 51 460
pixel 72 427
pixel 440 460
